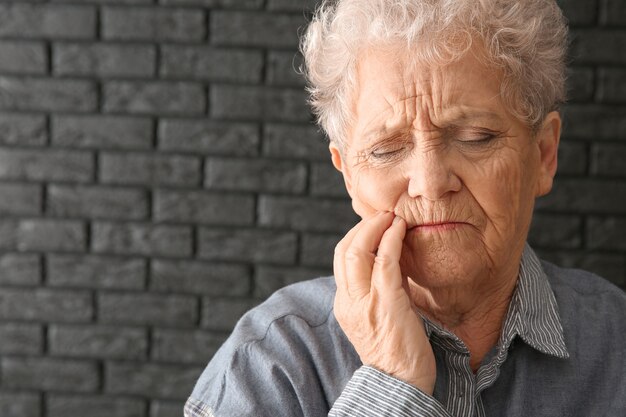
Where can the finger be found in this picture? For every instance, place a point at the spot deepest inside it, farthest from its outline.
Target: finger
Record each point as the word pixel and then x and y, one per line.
pixel 386 273
pixel 359 257
pixel 338 260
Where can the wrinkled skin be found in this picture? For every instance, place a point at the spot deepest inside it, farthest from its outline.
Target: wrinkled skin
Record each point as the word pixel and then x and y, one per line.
pixel 436 149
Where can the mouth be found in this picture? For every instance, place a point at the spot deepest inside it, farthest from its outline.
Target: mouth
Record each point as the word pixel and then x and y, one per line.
pixel 436 227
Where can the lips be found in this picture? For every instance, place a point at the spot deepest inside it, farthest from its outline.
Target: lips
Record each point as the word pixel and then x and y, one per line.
pixel 438 226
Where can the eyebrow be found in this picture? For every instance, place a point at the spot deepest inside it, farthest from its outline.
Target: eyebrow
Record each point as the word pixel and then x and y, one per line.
pixel 457 117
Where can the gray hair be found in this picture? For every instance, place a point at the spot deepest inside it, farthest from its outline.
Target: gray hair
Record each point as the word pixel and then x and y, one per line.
pixel 525 39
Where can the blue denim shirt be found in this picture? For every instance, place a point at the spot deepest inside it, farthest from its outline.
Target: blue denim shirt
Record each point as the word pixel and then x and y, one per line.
pixel 562 352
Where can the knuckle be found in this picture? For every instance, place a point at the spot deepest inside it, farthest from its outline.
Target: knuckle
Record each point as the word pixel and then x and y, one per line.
pixel 384 260
pixel 356 254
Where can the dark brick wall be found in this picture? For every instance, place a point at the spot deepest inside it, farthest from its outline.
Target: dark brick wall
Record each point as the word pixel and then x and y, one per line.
pixel 160 175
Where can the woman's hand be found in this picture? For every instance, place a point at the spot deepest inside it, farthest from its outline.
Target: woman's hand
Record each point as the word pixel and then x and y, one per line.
pixel 372 305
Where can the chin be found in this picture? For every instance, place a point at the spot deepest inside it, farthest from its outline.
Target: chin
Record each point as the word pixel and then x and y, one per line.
pixel 441 261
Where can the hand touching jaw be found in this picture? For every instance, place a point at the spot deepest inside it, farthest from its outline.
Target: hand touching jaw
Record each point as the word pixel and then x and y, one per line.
pixel 372 304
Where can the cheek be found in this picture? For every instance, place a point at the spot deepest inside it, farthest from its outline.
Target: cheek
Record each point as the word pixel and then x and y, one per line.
pixel 506 196
pixel 375 190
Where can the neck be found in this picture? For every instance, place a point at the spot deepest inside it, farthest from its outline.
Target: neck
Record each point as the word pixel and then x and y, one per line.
pixel 475 315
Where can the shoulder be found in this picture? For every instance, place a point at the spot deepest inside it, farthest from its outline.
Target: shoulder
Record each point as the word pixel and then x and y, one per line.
pixel 310 303
pixel 586 300
pixel 279 348
pixel 571 285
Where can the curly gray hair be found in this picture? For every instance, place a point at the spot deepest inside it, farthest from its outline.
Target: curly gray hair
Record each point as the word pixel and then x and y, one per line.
pixel 525 39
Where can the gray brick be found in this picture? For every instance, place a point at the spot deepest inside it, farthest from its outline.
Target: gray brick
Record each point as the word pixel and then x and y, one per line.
pixel 283 68
pixel 20 339
pixel 97 202
pixel 608 159
pixel 20 199
pixel 46 165
pixel 154 97
pixel 247 245
pixel 150 169
pixel 318 250
pixel 102 132
pixel 258 103
pixel 294 141
pixel 23 57
pixel 255 29
pixel 51 235
pixel 116 2
pixel 236 4
pixel 50 374
pixel 151 380
pixel 203 207
pixel 141 239
pixel 592 46
pixel 166 408
pixel 58 405
pixel 47 21
pixel 191 346
pixel 585 196
pixel 609 266
pixel 153 24
pixel 326 181
pixel 19 269
pixel 556 231
pixel 104 60
pixel 269 279
pixel 580 84
pixel 255 175
pixel 20 404
pixel 306 214
pixel 296 6
pixel 579 12
pixel 199 278
pixel 8 234
pixel 207 63
pixel 595 122
pixel 47 94
pixel 613 12
pixel 98 341
pixel 209 137
pixel 606 233
pixel 223 313
pixel 612 85
pixel 45 305
pixel 572 158
pixel 94 271
pixel 22 129
pixel 148 309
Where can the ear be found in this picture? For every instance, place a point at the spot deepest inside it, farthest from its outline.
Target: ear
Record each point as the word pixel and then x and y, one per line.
pixel 548 142
pixel 338 162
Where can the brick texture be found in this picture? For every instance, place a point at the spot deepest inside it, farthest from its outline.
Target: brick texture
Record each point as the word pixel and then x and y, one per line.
pixel 22 129
pixel 104 60
pixel 17 404
pixel 208 137
pixel 63 375
pixel 102 132
pixel 47 94
pixel 161 174
pixel 23 57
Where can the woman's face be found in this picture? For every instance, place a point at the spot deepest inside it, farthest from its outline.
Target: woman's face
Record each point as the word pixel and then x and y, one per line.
pixel 437 147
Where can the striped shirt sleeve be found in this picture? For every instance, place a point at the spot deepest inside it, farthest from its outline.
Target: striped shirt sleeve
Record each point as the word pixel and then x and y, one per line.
pixel 374 393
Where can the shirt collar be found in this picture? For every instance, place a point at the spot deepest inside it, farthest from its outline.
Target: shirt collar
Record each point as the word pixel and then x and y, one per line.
pixel 532 314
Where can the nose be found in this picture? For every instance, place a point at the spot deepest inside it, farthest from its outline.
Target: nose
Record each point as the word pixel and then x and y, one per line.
pixel 432 175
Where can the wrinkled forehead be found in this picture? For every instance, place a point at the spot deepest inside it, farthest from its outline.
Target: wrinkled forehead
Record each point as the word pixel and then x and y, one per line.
pixel 393 89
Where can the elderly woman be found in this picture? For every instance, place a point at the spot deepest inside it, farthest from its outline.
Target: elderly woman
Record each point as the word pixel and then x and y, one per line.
pixel 443 120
